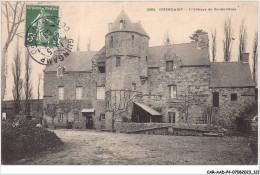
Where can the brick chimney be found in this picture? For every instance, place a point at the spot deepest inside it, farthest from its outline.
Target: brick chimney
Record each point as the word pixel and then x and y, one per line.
pixel 203 41
pixel 109 26
pixel 245 58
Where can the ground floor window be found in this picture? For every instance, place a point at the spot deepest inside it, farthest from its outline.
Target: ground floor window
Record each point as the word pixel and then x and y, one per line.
pixel 215 99
pixel 171 117
pixel 60 116
pixel 233 97
pixel 76 116
pixel 102 116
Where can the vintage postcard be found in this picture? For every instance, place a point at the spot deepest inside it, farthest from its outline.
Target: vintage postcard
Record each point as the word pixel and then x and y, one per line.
pixel 130 83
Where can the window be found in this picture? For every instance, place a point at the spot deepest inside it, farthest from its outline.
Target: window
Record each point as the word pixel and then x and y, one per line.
pixel 146 58
pixel 102 116
pixel 76 116
pixel 172 91
pixel 171 117
pixel 79 93
pixel 111 42
pixel 61 93
pixel 215 99
pixel 118 61
pixel 133 39
pixel 60 71
pixel 60 116
pixel 122 23
pixel 101 67
pixel 234 97
pixel 101 93
pixel 169 65
pixel 134 86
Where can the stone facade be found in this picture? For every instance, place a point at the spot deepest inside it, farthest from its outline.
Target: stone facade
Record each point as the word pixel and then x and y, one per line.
pixel 228 110
pixel 89 81
pixel 175 80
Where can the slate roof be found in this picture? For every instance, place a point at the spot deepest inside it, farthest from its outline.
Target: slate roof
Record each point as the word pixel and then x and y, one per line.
pixel 230 74
pixel 189 54
pixel 76 61
pixel 128 26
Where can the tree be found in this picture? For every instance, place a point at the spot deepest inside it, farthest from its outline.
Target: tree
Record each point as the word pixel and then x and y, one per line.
pixel 27 83
pixel 18 83
pixel 13 13
pixel 255 57
pixel 89 44
pixel 195 35
pixel 51 110
pixel 118 102
pixel 38 91
pixel 214 45
pixel 227 42
pixel 242 40
pixel 167 39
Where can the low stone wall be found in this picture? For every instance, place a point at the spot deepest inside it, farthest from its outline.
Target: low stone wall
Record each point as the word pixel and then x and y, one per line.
pixel 138 127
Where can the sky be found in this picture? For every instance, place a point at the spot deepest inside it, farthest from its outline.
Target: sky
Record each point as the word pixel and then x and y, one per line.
pixel 90 20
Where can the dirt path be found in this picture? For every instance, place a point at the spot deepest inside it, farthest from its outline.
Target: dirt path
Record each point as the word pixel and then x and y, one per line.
pixel 106 148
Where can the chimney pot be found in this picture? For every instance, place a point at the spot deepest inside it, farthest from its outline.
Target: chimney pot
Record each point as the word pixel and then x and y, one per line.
pixel 245 57
pixel 110 26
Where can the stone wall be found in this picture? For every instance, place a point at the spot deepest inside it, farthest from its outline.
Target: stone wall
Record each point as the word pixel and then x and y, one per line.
pixel 70 80
pixel 134 127
pixel 229 110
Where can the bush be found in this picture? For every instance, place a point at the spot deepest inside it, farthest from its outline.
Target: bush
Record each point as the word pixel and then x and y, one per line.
pixel 22 139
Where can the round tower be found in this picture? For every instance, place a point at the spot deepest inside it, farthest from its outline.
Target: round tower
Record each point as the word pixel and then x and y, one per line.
pixel 126 55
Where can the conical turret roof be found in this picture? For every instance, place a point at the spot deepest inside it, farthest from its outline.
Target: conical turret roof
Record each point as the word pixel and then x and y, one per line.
pixel 123 23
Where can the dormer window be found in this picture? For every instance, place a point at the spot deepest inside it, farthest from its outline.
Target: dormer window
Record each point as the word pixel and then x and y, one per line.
pixel 101 67
pixel 169 66
pixel 122 23
pixel 60 70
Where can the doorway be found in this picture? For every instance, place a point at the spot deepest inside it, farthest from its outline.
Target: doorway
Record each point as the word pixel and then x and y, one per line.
pixel 89 121
pixel 103 121
pixel 171 117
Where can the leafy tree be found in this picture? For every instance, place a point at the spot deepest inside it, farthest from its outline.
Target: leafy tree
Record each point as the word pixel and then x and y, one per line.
pixel 195 35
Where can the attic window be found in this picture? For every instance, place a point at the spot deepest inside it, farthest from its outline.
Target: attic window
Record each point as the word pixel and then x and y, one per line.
pixel 101 67
pixel 169 65
pixel 122 23
pixel 60 71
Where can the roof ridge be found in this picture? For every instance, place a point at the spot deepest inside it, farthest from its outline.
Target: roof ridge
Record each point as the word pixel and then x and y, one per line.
pixel 229 62
pixel 171 45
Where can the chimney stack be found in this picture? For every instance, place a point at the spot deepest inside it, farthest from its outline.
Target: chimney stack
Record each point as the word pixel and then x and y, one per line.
pixel 203 40
pixel 110 26
pixel 245 57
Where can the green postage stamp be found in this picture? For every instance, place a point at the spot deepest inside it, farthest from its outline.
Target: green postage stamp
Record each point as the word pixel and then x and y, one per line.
pixel 42 25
